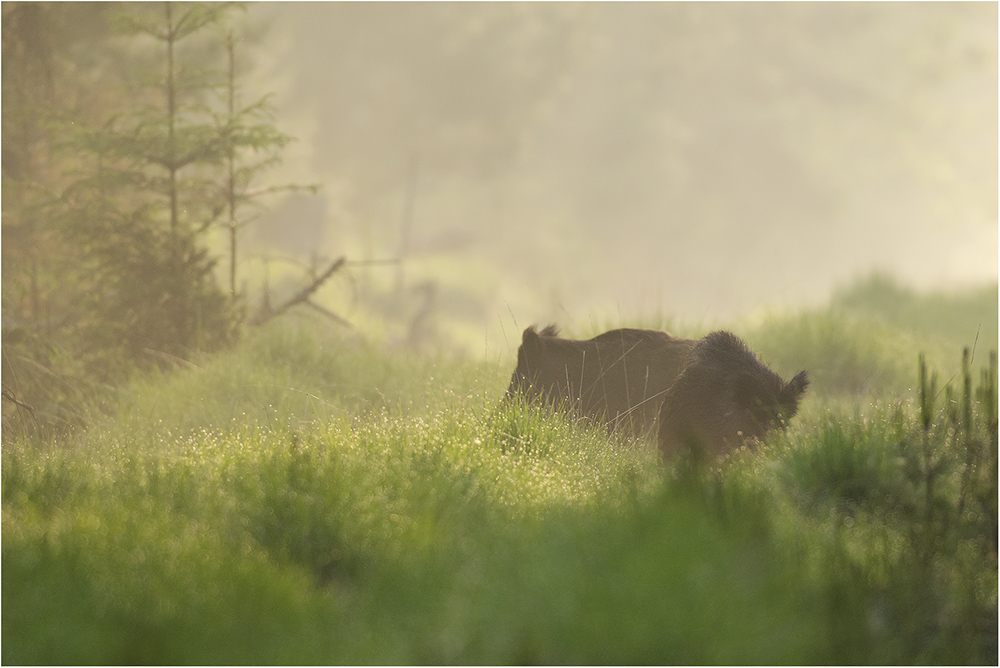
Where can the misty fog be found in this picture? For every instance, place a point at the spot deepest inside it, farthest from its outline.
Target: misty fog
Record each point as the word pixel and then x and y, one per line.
pixel 565 162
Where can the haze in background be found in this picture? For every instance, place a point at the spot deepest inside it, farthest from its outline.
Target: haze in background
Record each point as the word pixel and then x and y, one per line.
pixel 555 161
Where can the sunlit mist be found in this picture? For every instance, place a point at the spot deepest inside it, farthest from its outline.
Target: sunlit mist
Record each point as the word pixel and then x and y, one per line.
pixel 702 160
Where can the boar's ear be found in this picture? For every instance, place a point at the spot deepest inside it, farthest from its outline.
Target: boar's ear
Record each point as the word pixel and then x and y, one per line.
pixel 531 348
pixel 793 391
pixel 530 338
pixel 797 385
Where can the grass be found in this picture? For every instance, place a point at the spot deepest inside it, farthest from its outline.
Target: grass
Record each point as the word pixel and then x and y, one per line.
pixel 310 498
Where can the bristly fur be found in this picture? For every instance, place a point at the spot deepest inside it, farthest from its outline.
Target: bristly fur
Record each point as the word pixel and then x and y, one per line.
pixel 726 397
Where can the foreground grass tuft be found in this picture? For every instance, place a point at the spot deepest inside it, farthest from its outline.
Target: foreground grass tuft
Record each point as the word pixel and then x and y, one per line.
pixel 306 498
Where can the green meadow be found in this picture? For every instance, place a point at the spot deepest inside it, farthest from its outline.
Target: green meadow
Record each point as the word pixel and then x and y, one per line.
pixel 310 496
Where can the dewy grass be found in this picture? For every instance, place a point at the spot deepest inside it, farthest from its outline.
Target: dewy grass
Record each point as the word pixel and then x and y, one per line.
pixel 891 489
pixel 318 377
pixel 309 499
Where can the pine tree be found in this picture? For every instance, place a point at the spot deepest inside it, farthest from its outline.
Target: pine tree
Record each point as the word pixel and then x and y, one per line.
pixel 141 173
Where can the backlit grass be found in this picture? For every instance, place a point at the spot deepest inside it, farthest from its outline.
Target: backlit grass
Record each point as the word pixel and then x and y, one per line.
pixel 310 498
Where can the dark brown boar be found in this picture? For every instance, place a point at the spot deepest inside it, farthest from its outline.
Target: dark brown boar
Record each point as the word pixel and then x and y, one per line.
pixel 617 378
pixel 725 398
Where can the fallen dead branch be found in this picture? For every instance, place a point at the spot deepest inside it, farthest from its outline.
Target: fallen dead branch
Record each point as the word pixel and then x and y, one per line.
pixel 302 297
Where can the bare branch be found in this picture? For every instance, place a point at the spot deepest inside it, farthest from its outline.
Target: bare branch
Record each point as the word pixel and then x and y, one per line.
pixel 9 396
pixel 302 296
pixel 330 314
